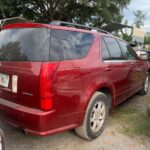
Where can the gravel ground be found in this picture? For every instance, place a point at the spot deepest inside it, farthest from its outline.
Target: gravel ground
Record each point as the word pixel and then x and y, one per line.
pixel 111 139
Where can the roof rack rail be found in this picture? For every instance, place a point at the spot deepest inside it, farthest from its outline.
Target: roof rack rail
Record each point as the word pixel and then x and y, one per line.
pixel 68 24
pixel 12 20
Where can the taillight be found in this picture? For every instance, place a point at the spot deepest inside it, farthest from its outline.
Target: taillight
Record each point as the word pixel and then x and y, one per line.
pixel 46 85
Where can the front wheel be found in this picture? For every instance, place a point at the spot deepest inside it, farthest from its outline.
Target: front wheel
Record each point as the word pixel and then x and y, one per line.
pixel 145 88
pixel 95 117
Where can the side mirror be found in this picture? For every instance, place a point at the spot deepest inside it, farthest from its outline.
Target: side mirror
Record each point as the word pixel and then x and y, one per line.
pixel 2 140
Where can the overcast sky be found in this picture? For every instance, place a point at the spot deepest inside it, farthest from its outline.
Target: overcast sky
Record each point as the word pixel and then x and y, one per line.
pixel 143 5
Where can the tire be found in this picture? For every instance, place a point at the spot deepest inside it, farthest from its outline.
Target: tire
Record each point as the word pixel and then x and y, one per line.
pixel 145 88
pixel 95 117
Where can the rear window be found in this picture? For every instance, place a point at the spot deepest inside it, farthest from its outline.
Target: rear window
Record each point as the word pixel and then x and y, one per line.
pixel 41 44
pixel 25 44
pixel 67 45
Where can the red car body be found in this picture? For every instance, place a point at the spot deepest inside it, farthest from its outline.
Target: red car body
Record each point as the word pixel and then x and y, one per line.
pixel 52 96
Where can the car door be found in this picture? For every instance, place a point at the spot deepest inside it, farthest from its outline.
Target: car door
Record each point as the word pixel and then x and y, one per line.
pixel 136 75
pixel 116 68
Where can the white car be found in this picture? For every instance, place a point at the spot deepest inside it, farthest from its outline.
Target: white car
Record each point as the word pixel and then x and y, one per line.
pixel 143 54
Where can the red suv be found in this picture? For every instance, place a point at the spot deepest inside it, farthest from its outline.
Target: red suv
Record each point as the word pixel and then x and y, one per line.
pixel 55 78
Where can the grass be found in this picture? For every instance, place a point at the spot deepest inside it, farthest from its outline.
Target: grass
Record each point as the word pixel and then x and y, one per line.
pixel 133 121
pixel 148 111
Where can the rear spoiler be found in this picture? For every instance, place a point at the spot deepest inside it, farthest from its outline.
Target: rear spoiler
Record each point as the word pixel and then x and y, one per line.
pixel 7 21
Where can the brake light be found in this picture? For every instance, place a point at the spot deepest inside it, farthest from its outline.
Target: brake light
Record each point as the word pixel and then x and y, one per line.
pixel 46 85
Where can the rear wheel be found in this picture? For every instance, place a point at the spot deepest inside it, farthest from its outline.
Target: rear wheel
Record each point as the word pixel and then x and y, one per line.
pixel 95 118
pixel 145 86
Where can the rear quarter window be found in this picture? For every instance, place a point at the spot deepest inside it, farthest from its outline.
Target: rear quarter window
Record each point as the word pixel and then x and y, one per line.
pixel 67 45
pixel 114 48
pixel 128 52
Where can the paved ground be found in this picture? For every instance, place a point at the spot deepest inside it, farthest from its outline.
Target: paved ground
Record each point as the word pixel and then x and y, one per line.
pixel 111 139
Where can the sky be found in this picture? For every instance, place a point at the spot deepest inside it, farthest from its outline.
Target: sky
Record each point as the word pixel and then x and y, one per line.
pixel 143 5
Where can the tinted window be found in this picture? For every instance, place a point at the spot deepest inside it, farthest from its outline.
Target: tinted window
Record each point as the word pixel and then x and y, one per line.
pixel 27 44
pixel 114 48
pixel 128 52
pixel 69 45
pixel 105 52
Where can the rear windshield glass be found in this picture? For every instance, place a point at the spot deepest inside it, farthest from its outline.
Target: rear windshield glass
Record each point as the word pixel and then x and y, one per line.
pixel 27 44
pixel 41 44
pixel 67 45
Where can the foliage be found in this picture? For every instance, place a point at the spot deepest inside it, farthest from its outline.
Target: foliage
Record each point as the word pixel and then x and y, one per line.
pixel 139 18
pixel 147 39
pixel 93 12
pixel 126 37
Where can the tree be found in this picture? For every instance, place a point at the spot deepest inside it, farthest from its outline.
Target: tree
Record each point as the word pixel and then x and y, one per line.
pixel 126 33
pixel 93 12
pixel 147 40
pixel 139 18
pixel 126 37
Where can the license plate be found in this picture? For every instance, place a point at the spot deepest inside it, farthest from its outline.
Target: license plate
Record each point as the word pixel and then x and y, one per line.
pixel 4 80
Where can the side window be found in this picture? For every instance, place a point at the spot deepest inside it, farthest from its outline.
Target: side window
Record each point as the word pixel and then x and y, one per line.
pixel 67 45
pixel 114 48
pixel 128 52
pixel 105 52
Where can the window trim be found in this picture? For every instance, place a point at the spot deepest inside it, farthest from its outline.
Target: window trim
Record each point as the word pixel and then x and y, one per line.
pixel 102 39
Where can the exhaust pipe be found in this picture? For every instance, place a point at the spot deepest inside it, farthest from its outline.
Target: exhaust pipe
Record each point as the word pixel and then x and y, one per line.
pixel 25 131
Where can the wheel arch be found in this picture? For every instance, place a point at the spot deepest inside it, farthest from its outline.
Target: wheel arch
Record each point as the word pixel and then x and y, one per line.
pixel 109 93
pixel 105 88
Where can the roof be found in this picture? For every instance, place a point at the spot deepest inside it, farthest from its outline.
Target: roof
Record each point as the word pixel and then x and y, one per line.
pixel 18 22
pixel 39 25
pixel 78 26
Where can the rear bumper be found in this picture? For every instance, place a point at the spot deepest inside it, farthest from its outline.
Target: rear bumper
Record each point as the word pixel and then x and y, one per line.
pixel 31 120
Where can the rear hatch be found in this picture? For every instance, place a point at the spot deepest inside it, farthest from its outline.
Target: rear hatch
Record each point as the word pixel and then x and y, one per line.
pixel 29 58
pixel 22 52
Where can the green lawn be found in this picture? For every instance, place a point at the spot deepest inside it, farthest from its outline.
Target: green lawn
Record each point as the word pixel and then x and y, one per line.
pixel 133 121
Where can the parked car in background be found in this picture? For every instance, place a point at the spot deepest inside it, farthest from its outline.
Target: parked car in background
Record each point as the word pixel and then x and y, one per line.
pixel 146 55
pixel 2 140
pixel 55 78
